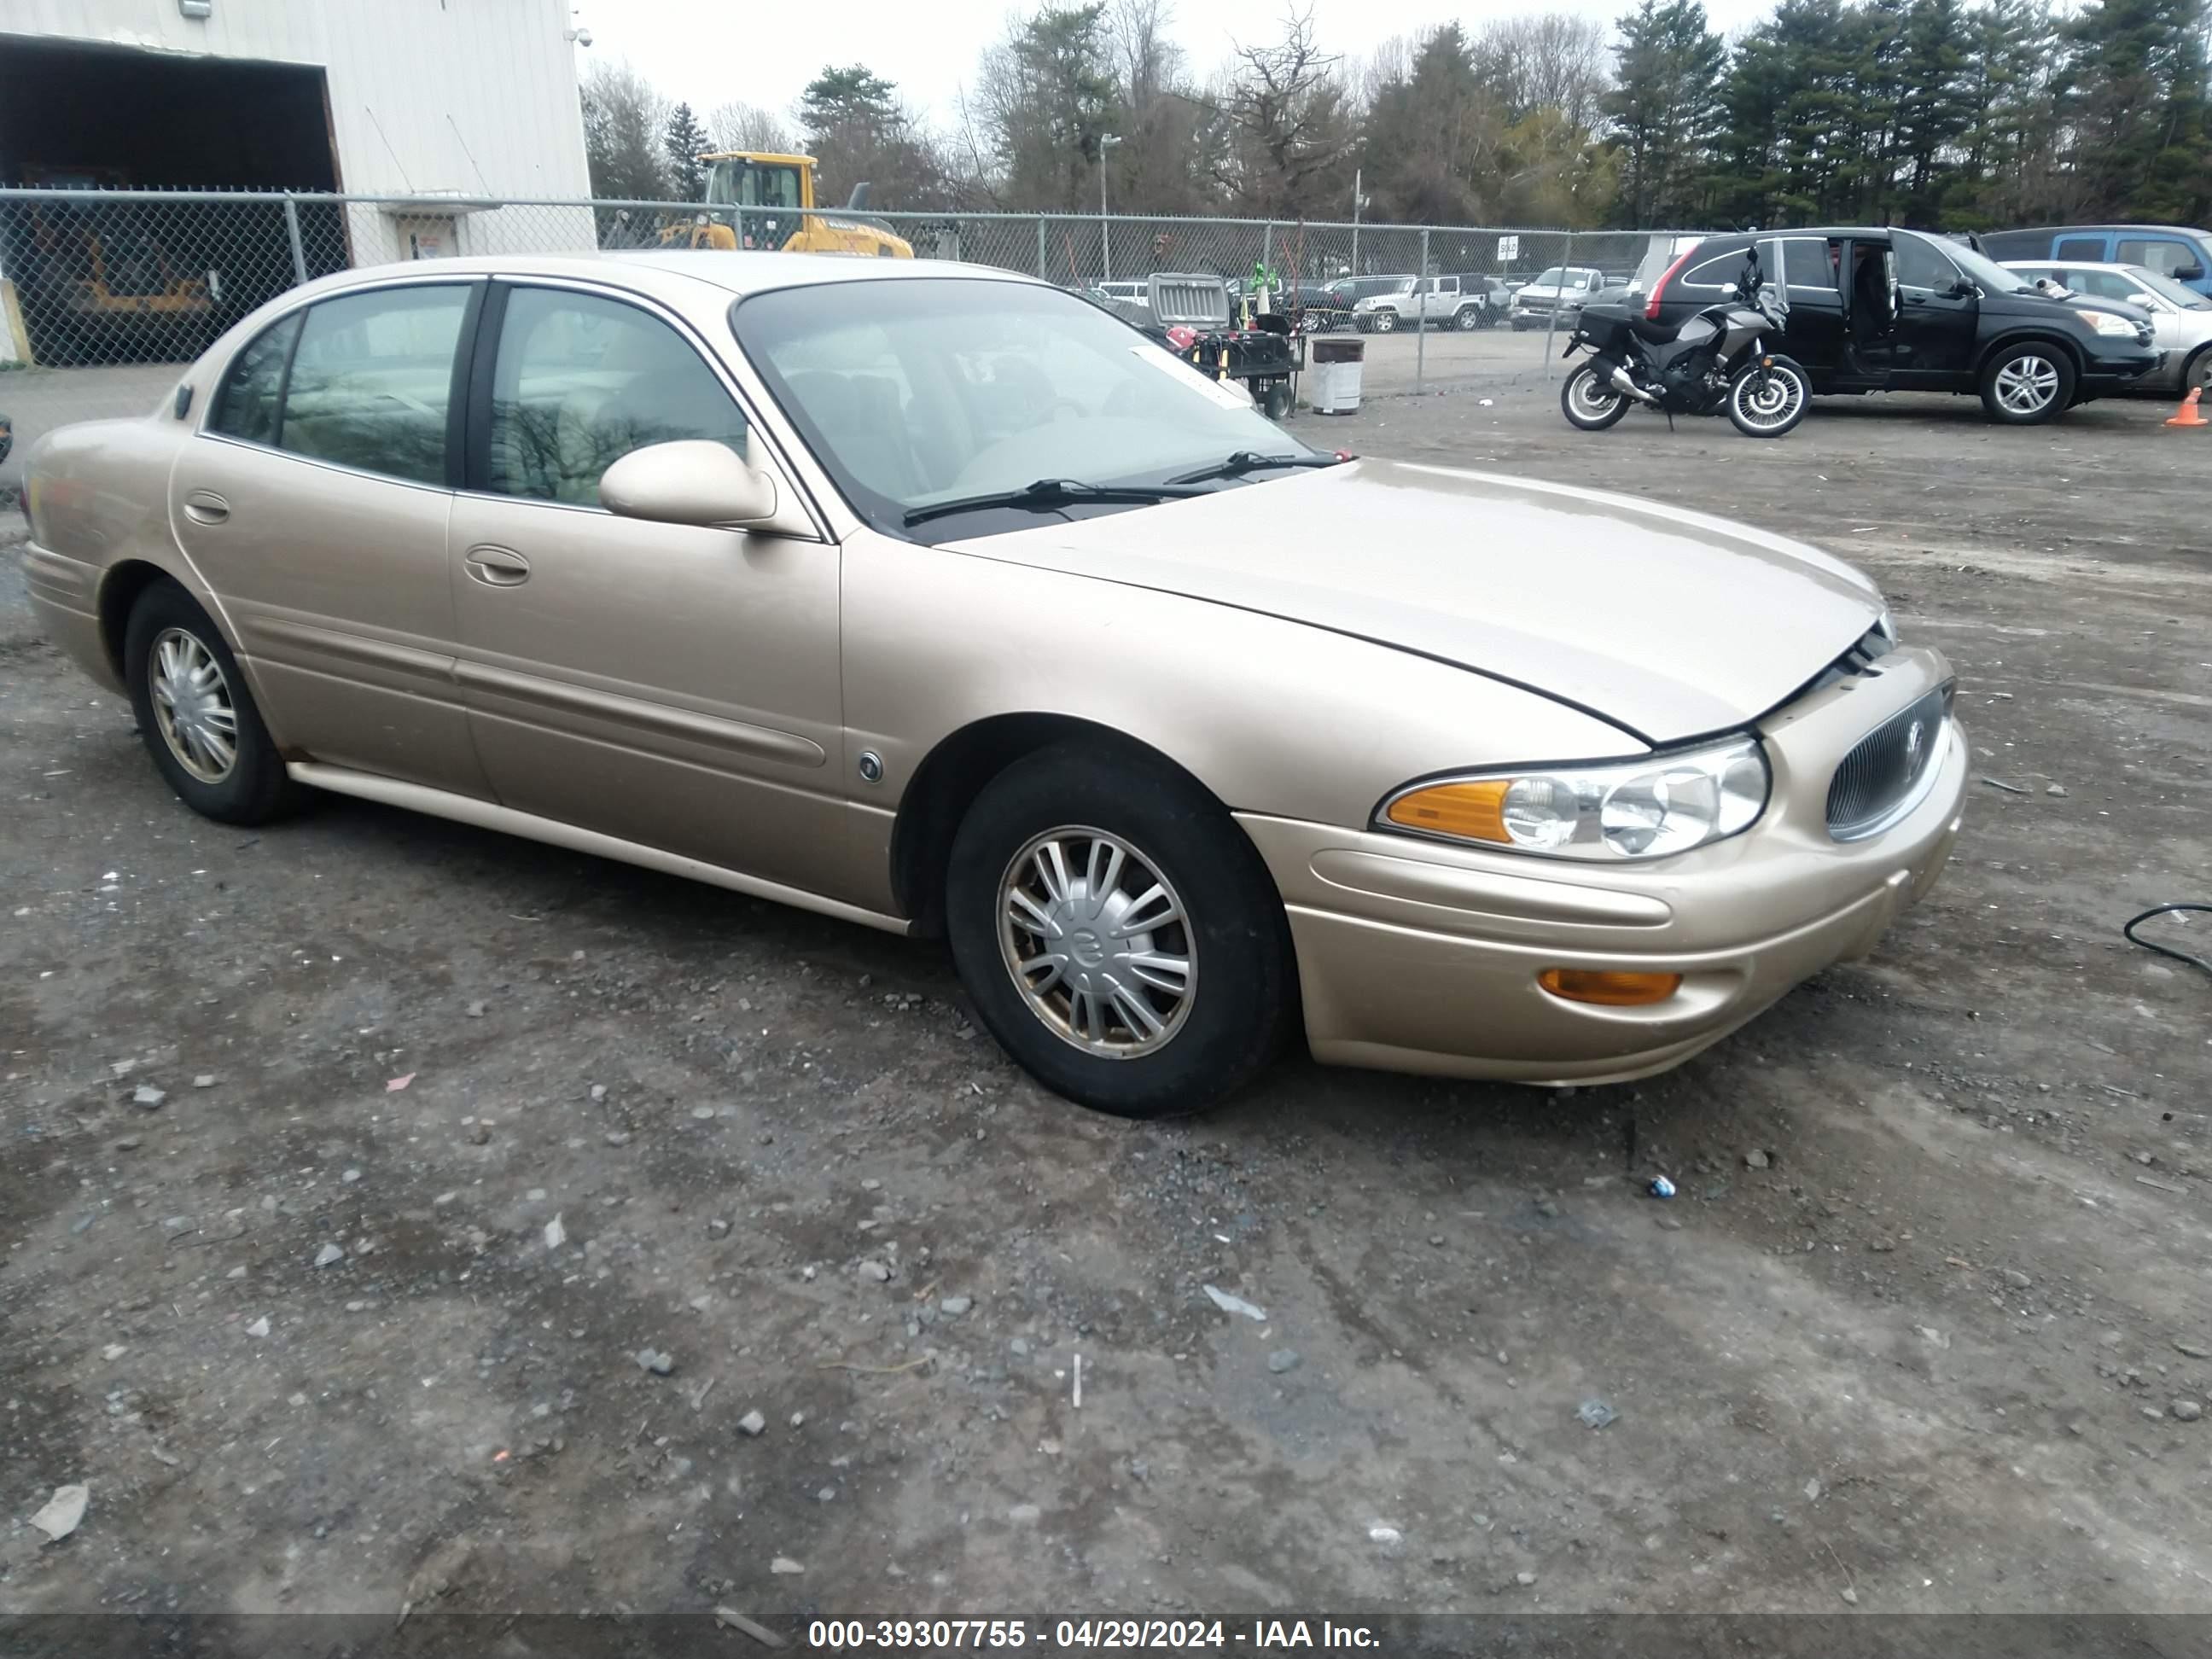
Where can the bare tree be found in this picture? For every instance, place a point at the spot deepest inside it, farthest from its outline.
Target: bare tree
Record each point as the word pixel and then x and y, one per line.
pixel 1291 123
pixel 740 126
pixel 1546 60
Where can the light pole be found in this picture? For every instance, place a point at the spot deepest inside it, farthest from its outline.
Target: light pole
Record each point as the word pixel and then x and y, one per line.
pixel 1357 200
pixel 1106 140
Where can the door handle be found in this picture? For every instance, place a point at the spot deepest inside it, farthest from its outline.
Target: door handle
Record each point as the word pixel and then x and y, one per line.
pixel 205 507
pixel 497 567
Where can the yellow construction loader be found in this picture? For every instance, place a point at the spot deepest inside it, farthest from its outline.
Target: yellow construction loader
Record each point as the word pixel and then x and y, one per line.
pixel 777 195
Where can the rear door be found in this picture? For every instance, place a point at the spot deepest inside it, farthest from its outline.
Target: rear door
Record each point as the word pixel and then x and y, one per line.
pixel 669 684
pixel 313 499
pixel 1802 268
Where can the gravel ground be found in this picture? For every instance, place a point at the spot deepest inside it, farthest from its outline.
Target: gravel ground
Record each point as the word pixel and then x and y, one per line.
pixel 396 1214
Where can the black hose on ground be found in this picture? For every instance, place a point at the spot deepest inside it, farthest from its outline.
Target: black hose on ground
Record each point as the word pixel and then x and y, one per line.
pixel 2129 929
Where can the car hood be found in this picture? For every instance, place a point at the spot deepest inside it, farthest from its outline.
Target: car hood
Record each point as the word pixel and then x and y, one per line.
pixel 1667 624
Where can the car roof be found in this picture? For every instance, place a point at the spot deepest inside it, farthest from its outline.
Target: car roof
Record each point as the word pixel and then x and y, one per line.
pixel 2098 230
pixel 2073 264
pixel 653 270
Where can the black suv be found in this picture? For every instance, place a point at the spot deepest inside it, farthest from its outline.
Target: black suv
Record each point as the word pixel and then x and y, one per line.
pixel 1887 310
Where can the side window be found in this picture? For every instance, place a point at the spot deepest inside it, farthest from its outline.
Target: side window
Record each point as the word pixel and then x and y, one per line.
pixel 2089 248
pixel 2163 257
pixel 1718 272
pixel 1920 266
pixel 246 406
pixel 580 381
pixel 372 379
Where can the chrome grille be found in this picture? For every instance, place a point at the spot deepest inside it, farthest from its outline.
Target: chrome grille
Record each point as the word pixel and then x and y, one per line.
pixel 1883 776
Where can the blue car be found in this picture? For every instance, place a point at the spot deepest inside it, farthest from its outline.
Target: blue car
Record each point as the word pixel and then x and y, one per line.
pixel 2174 251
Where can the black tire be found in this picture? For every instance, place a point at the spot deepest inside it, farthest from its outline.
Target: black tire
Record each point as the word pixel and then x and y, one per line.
pixel 2197 373
pixel 255 787
pixel 1275 401
pixel 1467 318
pixel 1242 983
pixel 2028 363
pixel 1581 395
pixel 1386 322
pixel 1768 401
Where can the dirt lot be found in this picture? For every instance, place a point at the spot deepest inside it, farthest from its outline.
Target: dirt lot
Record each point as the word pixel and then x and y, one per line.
pixel 1912 1338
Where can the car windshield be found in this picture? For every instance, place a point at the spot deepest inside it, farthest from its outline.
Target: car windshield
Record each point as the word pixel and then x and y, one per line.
pixel 1980 269
pixel 2177 294
pixel 922 391
pixel 1547 277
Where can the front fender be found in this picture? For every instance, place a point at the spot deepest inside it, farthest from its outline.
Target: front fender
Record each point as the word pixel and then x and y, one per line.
pixel 1274 716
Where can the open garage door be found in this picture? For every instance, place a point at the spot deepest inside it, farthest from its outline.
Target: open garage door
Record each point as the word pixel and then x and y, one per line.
pixel 149 282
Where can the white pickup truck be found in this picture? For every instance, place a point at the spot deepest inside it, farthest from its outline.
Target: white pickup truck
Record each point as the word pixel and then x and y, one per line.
pixel 1560 289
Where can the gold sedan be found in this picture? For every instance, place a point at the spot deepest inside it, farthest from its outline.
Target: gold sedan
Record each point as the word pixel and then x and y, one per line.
pixel 938 599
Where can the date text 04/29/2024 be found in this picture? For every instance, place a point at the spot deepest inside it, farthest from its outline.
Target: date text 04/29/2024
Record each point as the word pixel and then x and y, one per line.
pixel 1253 1635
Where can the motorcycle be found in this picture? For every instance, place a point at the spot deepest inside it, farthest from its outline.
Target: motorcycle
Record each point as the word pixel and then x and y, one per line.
pixel 1717 360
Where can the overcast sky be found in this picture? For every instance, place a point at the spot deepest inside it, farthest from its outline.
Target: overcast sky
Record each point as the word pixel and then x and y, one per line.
pixel 709 51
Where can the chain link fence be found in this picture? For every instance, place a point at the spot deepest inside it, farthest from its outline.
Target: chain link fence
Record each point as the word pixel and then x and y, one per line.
pixel 103 292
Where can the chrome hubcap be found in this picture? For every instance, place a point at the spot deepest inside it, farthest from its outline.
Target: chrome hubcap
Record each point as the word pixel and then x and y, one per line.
pixel 192 706
pixel 1768 400
pixel 1097 941
pixel 1591 397
pixel 2026 385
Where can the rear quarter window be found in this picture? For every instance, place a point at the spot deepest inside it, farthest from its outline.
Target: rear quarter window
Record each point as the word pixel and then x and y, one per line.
pixel 247 402
pixel 2090 249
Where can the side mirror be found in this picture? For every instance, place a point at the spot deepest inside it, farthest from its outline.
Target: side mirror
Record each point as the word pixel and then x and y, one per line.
pixel 691 481
pixel 2188 273
pixel 1963 289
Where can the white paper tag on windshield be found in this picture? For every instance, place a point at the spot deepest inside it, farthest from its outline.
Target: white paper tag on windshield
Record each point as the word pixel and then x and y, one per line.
pixel 1227 394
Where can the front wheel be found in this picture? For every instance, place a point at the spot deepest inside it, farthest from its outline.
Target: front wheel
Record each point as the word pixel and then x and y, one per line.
pixel 1589 403
pixel 1118 932
pixel 2196 374
pixel 1386 322
pixel 2028 385
pixel 1768 397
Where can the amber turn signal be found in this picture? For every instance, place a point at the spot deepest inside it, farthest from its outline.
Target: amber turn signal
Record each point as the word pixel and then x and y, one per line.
pixel 1610 989
pixel 1471 810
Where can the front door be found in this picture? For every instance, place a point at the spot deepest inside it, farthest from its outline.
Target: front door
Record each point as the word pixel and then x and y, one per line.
pixel 664 683
pixel 1936 314
pixel 314 501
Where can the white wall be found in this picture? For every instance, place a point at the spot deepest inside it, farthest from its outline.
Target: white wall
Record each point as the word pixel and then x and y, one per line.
pixel 467 97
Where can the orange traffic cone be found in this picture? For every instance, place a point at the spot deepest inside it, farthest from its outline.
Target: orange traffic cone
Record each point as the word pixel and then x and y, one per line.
pixel 2187 415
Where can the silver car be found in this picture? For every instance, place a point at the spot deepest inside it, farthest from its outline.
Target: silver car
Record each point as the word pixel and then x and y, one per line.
pixel 2180 317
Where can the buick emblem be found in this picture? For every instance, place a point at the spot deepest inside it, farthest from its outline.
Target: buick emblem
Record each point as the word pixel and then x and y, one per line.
pixel 1915 735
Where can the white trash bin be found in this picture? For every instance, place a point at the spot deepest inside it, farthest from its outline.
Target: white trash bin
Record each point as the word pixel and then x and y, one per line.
pixel 1337 365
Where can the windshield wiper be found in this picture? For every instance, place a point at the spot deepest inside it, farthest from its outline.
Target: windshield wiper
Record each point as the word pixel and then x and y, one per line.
pixel 1248 460
pixel 1053 492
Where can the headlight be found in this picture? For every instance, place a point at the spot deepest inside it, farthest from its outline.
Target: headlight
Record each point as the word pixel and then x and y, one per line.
pixel 1641 809
pixel 2107 322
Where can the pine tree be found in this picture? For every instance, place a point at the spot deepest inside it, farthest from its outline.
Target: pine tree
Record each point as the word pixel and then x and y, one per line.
pixel 1666 110
pixel 2143 150
pixel 685 140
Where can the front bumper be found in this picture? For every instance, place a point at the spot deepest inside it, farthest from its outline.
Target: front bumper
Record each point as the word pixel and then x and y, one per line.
pixel 1419 956
pixel 2119 373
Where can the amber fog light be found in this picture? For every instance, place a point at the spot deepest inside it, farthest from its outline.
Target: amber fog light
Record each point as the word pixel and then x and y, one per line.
pixel 1608 989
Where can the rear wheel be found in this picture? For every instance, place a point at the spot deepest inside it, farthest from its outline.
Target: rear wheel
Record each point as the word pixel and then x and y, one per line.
pixel 2027 385
pixel 196 717
pixel 1118 932
pixel 1587 401
pixel 1768 398
pixel 1275 401
pixel 1467 318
